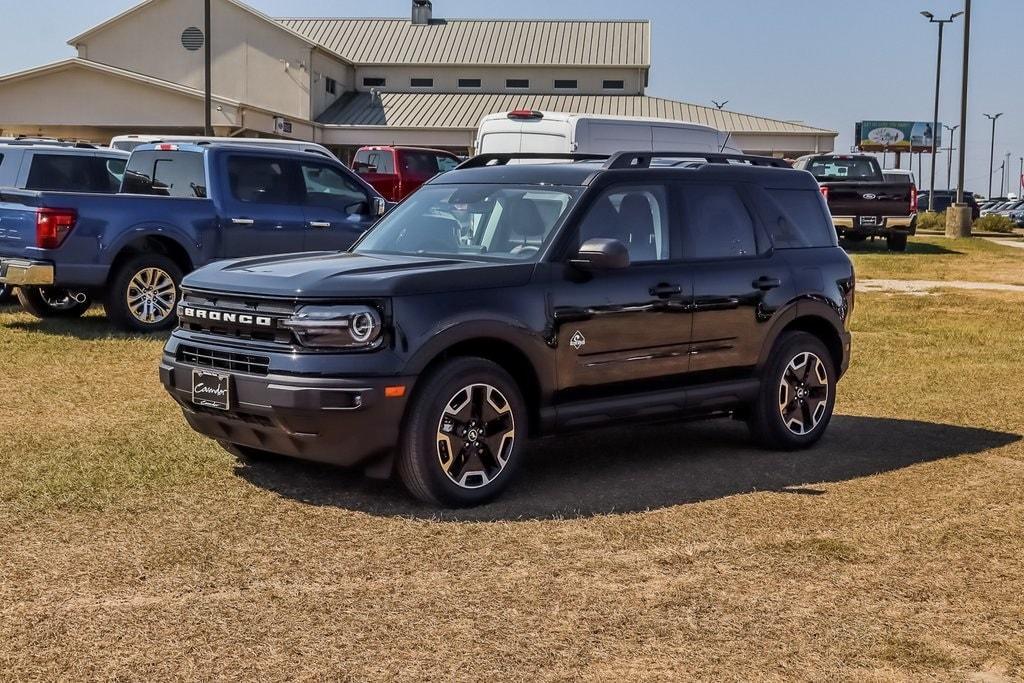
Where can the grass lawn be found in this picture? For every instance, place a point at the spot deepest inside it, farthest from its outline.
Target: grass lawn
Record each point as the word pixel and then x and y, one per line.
pixel 938 258
pixel 134 550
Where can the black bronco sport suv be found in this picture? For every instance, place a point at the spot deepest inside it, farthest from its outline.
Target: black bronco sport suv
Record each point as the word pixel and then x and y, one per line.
pixel 503 301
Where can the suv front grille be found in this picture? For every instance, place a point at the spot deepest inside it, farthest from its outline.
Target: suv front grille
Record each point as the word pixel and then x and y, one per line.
pixel 230 310
pixel 223 360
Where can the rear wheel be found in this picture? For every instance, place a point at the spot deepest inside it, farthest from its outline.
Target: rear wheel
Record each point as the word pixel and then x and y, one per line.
pixel 464 433
pixel 51 302
pixel 6 294
pixel 797 394
pixel 896 242
pixel 144 292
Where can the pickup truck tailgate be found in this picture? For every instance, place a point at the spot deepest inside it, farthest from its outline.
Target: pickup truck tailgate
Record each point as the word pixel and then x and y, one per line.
pixel 17 229
pixel 868 199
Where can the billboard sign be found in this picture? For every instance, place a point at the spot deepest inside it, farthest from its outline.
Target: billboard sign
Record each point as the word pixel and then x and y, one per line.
pixel 897 136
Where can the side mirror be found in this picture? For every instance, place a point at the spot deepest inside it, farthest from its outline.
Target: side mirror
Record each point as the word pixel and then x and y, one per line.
pixel 378 207
pixel 601 254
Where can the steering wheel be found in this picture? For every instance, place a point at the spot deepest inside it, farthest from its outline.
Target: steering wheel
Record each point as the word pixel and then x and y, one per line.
pixel 525 250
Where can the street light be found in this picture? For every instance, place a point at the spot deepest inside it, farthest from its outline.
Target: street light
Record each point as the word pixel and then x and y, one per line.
pixel 992 151
pixel 938 79
pixel 949 159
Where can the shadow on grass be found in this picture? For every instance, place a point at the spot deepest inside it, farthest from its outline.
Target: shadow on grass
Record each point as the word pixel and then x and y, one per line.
pixel 636 468
pixel 914 248
pixel 89 327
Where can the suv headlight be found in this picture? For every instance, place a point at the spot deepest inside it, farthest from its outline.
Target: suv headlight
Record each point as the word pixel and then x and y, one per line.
pixel 336 327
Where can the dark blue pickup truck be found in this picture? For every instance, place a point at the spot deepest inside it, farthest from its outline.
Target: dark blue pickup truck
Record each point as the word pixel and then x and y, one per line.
pixel 180 207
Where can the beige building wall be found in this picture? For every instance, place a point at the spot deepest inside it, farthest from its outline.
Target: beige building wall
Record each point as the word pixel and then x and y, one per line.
pixel 324 67
pixel 83 98
pixel 254 61
pixel 542 79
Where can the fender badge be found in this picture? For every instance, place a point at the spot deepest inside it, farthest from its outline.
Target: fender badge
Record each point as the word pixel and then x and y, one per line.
pixel 577 341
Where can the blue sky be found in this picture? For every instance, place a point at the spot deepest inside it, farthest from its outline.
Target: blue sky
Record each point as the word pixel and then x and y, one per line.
pixel 826 62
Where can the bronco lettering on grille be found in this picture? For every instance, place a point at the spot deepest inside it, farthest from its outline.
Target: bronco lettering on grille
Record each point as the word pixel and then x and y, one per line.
pixel 192 314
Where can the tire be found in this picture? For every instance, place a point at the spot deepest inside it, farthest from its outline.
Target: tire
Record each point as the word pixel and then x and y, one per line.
pixel 50 302
pixel 152 282
pixel 436 461
pixel 6 294
pixel 896 242
pixel 854 237
pixel 779 417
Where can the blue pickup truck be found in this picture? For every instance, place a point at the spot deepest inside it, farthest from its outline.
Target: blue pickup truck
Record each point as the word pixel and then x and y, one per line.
pixel 180 207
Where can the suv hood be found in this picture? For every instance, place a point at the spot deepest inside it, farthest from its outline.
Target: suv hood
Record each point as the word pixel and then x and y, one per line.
pixel 331 275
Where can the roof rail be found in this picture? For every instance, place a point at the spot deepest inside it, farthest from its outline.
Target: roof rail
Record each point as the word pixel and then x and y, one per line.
pixel 623 160
pixel 504 158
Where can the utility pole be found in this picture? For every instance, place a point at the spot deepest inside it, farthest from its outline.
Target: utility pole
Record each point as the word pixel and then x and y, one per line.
pixel 949 159
pixel 208 69
pixel 938 80
pixel 992 151
pixel 1020 180
pixel 1006 174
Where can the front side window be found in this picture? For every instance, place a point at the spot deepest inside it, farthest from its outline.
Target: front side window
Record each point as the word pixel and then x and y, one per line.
pixel 263 180
pixel 374 161
pixel 446 163
pixel 165 174
pixel 500 222
pixel 326 186
pixel 717 225
pixel 636 215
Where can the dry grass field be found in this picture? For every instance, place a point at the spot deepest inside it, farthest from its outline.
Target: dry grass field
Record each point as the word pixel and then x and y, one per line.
pixel 131 549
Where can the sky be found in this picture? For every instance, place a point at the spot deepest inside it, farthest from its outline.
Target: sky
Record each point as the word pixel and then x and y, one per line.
pixel 828 63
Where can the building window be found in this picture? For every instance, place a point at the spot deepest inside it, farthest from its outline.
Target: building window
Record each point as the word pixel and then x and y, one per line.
pixel 517 83
pixel 469 83
pixel 331 85
pixel 614 85
pixel 374 82
pixel 422 82
pixel 566 84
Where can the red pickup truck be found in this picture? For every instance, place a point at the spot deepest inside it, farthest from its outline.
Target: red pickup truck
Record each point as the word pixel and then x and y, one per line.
pixel 396 172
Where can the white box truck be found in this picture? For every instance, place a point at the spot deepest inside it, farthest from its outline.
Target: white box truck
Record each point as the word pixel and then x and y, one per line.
pixel 540 131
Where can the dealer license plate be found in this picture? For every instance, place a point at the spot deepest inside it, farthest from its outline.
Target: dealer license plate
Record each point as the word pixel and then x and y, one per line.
pixel 211 389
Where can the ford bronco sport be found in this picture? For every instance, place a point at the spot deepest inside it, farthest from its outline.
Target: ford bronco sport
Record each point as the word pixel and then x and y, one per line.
pixel 507 301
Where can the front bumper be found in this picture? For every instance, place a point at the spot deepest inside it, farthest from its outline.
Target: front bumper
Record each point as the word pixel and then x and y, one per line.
pixel 23 273
pixel 344 421
pixel 883 225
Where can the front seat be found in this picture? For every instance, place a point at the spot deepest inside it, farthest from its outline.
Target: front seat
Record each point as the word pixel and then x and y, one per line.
pixel 637 220
pixel 523 227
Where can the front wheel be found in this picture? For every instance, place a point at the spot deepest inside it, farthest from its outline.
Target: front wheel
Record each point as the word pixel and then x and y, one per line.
pixel 143 293
pixel 464 434
pixel 797 395
pixel 51 302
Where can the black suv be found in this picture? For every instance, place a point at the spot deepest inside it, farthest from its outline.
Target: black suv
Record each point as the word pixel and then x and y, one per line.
pixel 507 301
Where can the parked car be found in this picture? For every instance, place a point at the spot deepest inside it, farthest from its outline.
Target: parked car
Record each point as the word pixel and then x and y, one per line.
pixel 396 172
pixel 180 207
pixel 946 198
pixel 996 207
pixel 541 131
pixel 582 294
pixel 863 204
pixel 51 165
pixel 130 142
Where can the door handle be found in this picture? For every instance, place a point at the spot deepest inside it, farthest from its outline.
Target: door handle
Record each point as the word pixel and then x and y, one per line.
pixel 319 224
pixel 765 283
pixel 664 291
pixel 242 221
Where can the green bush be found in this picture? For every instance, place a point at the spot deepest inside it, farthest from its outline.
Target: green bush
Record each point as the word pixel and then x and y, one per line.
pixel 994 223
pixel 931 220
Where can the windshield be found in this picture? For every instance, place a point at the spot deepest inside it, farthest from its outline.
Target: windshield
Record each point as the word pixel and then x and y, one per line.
pixel 488 221
pixel 838 168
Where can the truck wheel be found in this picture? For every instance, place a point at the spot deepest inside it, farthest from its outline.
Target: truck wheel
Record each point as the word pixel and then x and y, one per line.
pixel 797 395
pixel 144 292
pixel 6 294
pixel 50 302
pixel 464 433
pixel 896 242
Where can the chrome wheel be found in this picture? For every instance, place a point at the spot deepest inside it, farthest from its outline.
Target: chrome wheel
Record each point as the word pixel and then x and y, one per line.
pixel 61 299
pixel 475 436
pixel 803 393
pixel 151 295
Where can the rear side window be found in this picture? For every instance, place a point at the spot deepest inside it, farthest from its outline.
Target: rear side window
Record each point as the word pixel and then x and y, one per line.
pixel 165 174
pixel 264 180
pixel 71 173
pixel 718 225
pixel 802 221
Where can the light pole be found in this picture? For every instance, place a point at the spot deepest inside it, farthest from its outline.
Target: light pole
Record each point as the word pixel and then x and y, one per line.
pixel 992 151
pixel 949 159
pixel 1020 180
pixel 938 80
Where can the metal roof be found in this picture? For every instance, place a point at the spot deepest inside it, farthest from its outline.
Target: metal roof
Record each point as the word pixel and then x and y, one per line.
pixel 496 42
pixel 464 110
